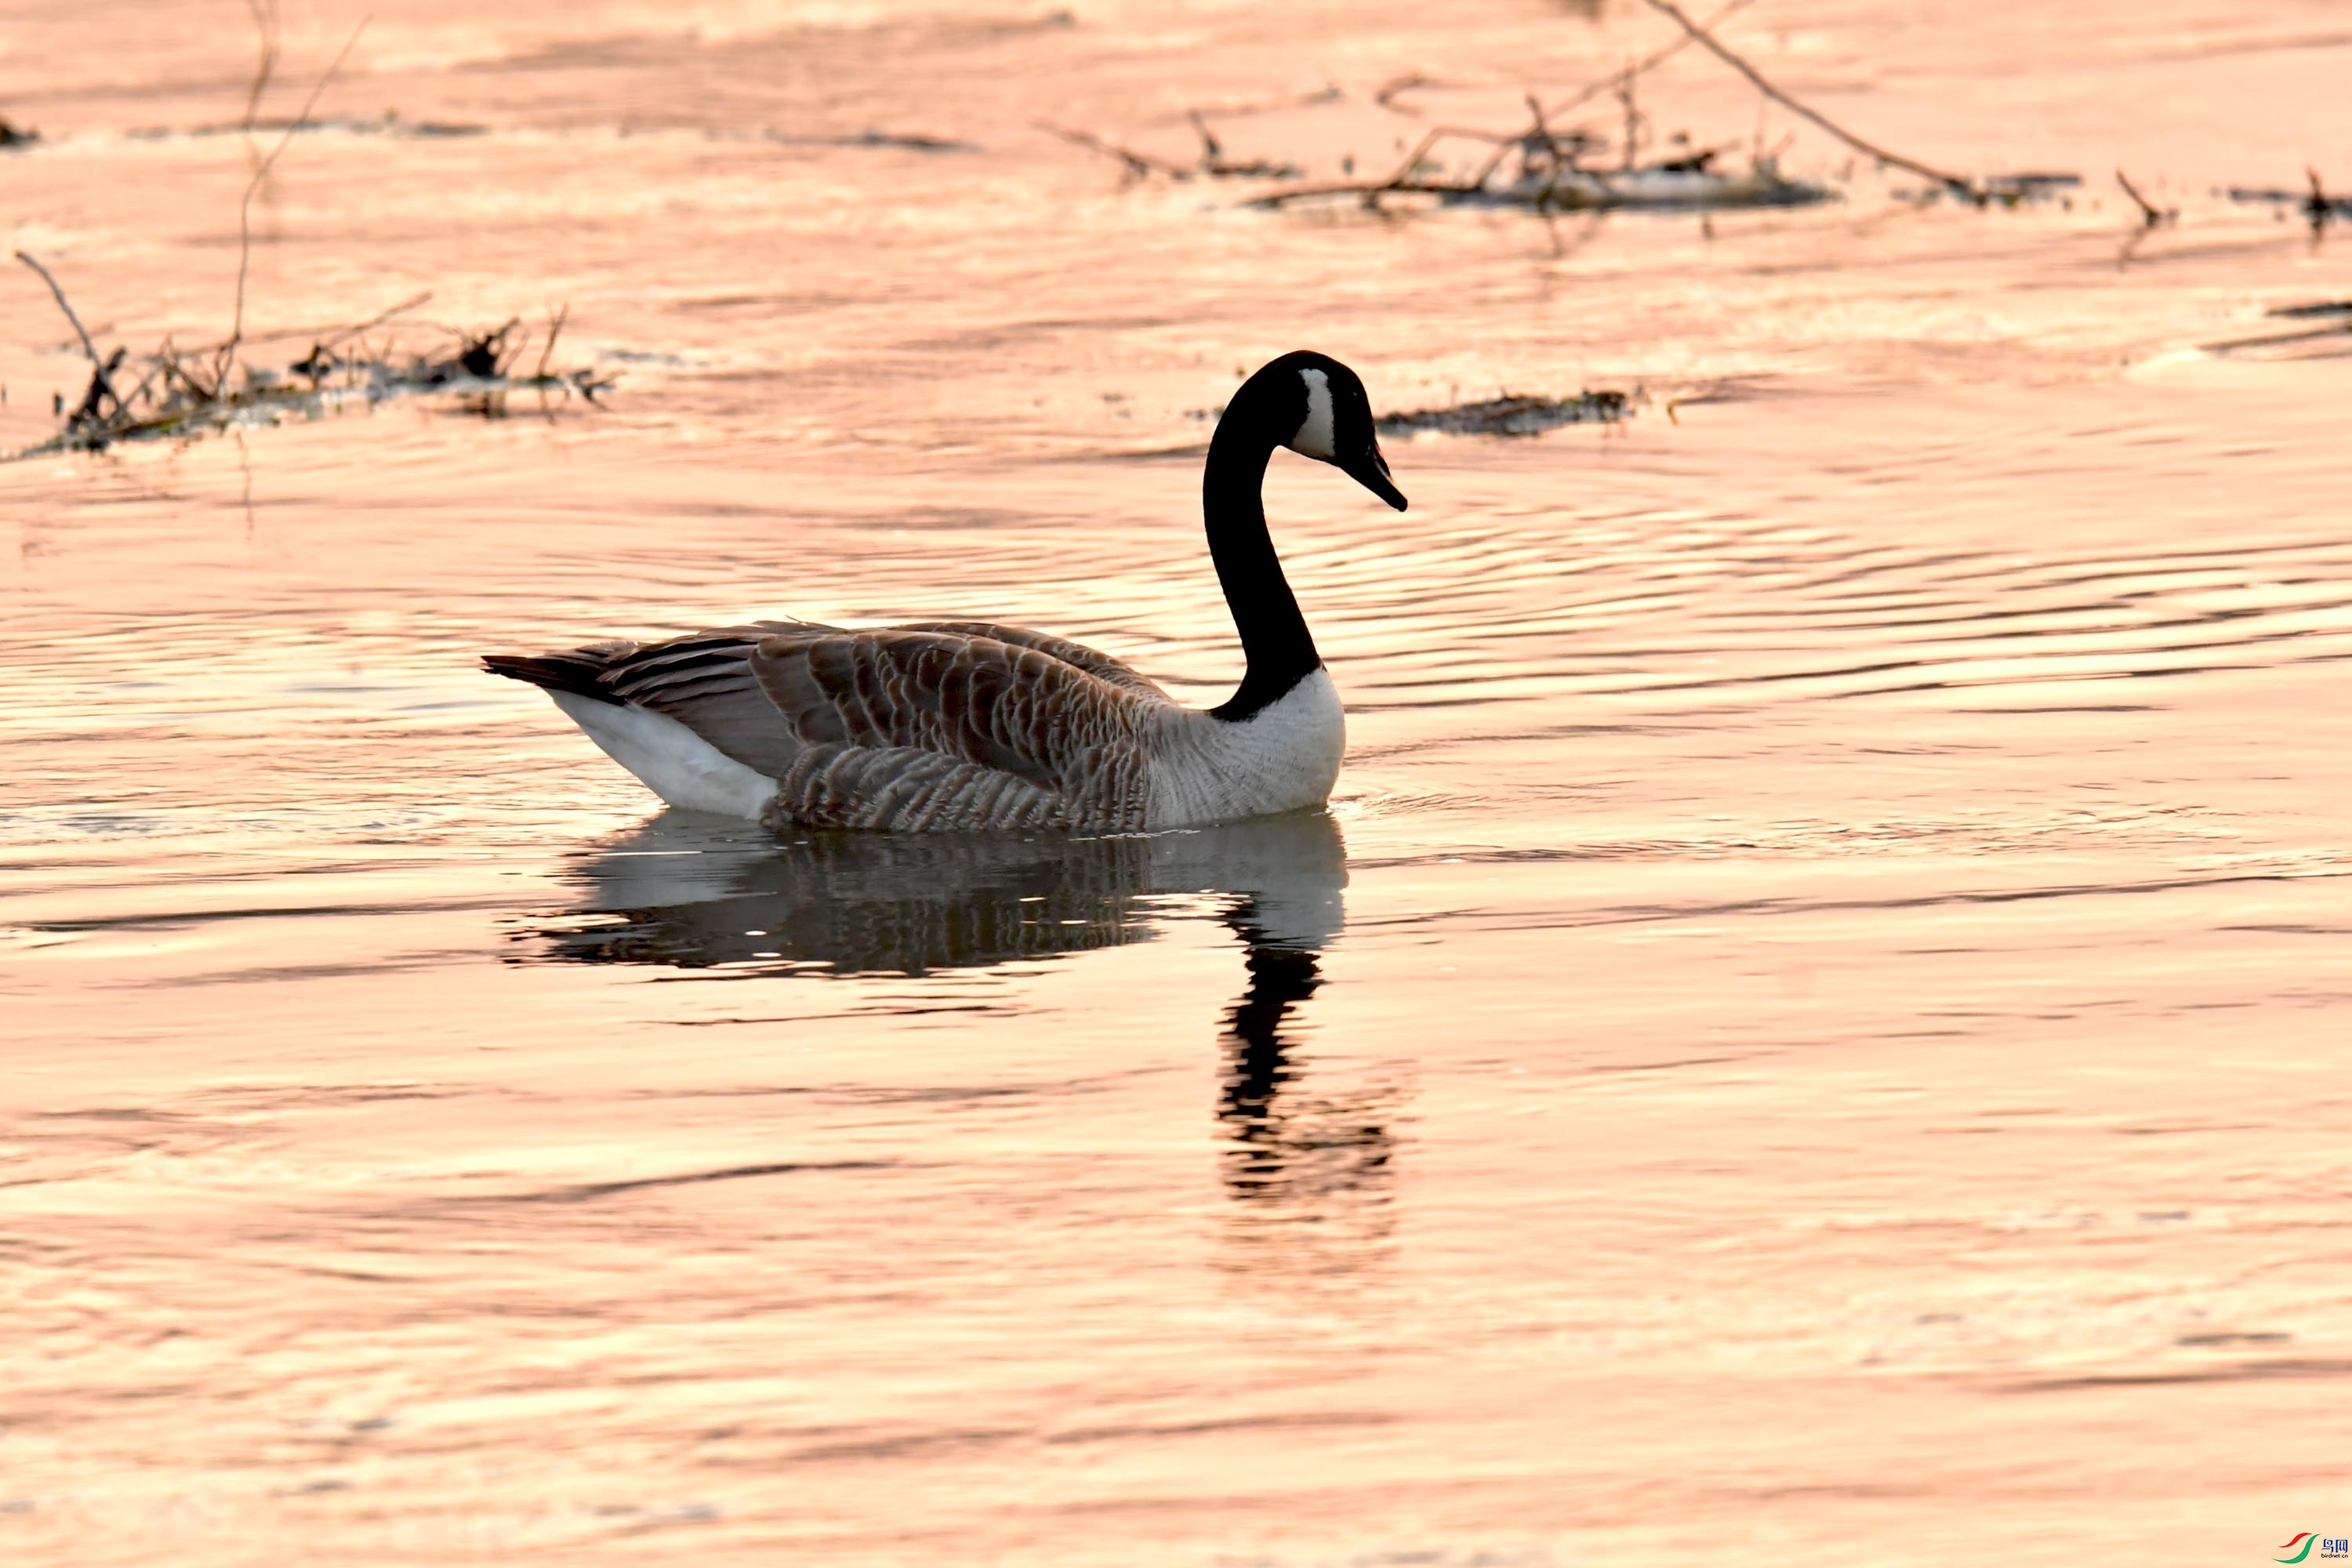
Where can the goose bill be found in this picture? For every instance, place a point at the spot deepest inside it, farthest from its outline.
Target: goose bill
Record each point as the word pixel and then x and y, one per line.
pixel 1371 471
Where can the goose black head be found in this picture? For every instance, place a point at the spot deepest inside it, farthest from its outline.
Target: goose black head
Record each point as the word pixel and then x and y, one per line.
pixel 1320 410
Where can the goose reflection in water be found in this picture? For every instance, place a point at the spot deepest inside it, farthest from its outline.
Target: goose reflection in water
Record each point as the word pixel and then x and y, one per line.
pixel 695 893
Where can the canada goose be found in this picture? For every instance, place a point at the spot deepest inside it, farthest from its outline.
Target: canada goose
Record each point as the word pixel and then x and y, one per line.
pixel 957 725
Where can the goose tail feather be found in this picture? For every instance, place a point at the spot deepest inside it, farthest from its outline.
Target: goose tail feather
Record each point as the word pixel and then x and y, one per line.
pixel 577 670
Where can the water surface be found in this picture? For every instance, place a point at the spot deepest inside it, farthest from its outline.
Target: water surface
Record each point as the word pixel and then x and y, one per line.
pixel 1815 1027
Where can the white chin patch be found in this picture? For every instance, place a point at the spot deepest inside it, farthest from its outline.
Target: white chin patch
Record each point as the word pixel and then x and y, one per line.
pixel 1314 438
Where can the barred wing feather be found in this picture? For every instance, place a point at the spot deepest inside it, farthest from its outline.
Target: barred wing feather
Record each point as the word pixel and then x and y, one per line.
pixel 938 726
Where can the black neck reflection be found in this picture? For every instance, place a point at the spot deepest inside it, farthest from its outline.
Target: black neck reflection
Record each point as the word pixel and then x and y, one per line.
pixel 1289 1154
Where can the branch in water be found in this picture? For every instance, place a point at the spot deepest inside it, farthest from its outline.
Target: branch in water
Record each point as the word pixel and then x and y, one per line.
pixel 1706 41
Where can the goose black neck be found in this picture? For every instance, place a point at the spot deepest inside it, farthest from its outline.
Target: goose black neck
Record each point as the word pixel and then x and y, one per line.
pixel 1275 639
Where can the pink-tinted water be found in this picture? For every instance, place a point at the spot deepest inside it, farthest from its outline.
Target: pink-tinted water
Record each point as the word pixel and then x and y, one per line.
pixel 1817 1029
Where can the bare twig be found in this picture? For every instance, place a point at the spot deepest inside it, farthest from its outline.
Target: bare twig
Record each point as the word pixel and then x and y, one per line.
pixel 1390 91
pixel 1213 161
pixel 100 387
pixel 2314 203
pixel 1503 142
pixel 264 22
pixel 1587 94
pixel 2150 214
pixel 1139 165
pixel 554 331
pixel 1211 148
pixel 154 368
pixel 324 337
pixel 1632 117
pixel 102 382
pixel 1706 40
pixel 1217 166
pixel 1548 158
pixel 167 360
pixel 245 208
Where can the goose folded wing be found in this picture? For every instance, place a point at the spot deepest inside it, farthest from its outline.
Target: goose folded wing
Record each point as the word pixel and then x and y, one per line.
pixel 1015 710
pixel 1093 661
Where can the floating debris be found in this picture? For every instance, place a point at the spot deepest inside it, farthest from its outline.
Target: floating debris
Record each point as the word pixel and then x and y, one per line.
pixel 1981 193
pixel 1213 161
pixel 1551 171
pixel 908 142
pixel 1511 415
pixel 2007 191
pixel 14 135
pixel 389 124
pixel 1684 184
pixel 2335 316
pixel 2314 204
pixel 2150 214
pixel 183 393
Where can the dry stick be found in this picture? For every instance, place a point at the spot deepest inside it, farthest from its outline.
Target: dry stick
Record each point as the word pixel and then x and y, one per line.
pixel 87 346
pixel 265 22
pixel 1587 94
pixel 554 331
pixel 1211 151
pixel 1213 162
pixel 1504 141
pixel 1557 160
pixel 154 368
pixel 337 336
pixel 1137 164
pixel 197 390
pixel 1403 180
pixel 1391 91
pixel 329 337
pixel 1706 40
pixel 2149 212
pixel 1494 161
pixel 245 208
pixel 100 385
pixel 1632 119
